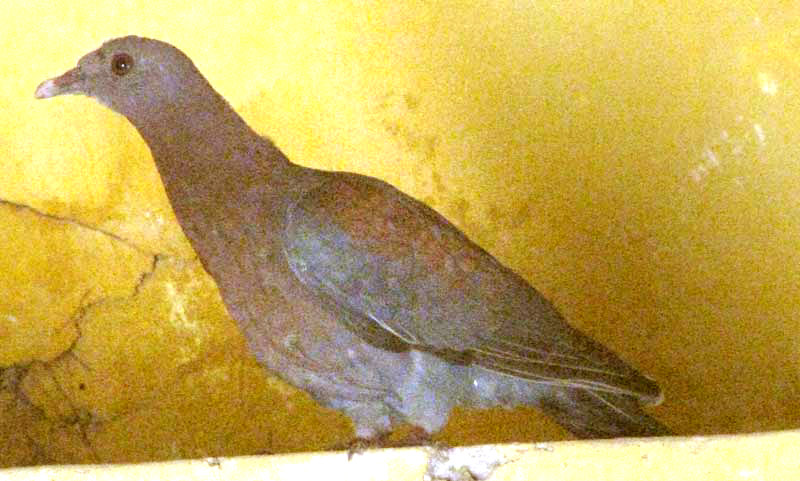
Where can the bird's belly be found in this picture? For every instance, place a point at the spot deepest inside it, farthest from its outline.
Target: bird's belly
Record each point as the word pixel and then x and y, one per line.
pixel 301 340
pixel 287 327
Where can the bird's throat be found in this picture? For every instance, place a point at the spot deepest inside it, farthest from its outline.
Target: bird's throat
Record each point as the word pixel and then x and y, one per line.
pixel 207 166
pixel 203 147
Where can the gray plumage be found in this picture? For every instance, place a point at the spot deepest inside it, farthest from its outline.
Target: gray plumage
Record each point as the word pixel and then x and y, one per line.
pixel 346 287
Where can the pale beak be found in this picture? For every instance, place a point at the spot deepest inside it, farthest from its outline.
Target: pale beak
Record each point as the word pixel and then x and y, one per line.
pixel 69 83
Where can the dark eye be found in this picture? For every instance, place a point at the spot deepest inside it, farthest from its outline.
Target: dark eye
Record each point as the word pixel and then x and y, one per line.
pixel 121 64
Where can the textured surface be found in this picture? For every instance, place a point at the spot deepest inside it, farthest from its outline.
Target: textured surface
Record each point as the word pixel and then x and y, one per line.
pixel 658 213
pixel 721 458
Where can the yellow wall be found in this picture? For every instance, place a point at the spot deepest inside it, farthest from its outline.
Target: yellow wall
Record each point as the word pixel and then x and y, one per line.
pixel 636 162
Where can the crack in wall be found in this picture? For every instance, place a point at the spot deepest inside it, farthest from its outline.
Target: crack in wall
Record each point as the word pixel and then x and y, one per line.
pixel 11 379
pixel 75 222
pixel 80 418
pixel 75 321
pixel 83 309
pixel 81 421
pixel 147 275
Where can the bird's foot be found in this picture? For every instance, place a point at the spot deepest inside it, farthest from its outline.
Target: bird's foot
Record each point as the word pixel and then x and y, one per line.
pixel 360 445
pixel 414 436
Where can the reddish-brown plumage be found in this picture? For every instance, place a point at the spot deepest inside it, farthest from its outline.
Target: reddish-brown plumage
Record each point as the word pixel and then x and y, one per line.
pixel 346 287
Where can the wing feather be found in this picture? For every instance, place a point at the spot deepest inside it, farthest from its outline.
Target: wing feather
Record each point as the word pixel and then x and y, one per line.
pixel 395 263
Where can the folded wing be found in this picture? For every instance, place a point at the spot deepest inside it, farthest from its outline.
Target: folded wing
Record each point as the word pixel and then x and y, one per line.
pixel 403 271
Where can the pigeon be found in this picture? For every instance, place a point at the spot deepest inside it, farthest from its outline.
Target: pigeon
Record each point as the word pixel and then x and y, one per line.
pixel 347 288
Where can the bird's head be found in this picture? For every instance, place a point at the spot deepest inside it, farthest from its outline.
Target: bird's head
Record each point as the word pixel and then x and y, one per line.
pixel 131 75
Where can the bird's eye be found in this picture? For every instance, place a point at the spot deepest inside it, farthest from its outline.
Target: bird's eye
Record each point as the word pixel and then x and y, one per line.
pixel 121 64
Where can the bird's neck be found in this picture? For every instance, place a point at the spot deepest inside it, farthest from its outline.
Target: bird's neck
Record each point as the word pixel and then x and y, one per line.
pixel 203 146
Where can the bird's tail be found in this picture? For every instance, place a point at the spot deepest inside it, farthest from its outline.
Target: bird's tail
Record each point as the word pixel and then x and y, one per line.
pixel 590 414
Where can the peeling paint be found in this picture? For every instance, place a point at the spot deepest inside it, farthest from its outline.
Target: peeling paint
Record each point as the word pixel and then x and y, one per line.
pixel 465 464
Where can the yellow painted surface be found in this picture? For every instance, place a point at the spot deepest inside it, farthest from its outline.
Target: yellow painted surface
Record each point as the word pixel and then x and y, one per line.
pixel 636 161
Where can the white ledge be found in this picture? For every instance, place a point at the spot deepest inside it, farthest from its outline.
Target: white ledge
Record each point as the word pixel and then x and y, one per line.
pixel 763 456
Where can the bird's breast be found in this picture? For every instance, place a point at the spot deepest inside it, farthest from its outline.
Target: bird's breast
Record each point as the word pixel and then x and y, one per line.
pixel 288 327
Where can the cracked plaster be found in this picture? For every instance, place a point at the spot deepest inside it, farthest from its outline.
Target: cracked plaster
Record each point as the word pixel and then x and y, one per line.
pixel 144 340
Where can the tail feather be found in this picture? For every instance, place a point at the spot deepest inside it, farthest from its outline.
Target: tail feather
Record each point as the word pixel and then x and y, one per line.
pixel 592 414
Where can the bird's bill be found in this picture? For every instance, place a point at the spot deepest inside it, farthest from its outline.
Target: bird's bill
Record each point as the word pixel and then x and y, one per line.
pixel 67 83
